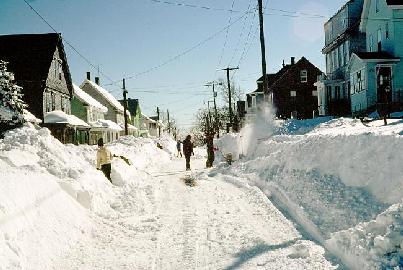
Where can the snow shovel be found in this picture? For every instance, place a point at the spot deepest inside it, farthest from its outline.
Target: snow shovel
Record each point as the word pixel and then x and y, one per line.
pixel 125 159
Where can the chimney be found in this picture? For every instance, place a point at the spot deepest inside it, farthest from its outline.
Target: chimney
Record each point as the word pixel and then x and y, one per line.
pixel 283 63
pixel 97 80
pixel 292 60
pixel 88 75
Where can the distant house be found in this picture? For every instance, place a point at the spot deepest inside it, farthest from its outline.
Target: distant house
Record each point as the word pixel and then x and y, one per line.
pixel 292 90
pixel 294 93
pixel 85 107
pixel 255 98
pixel 39 64
pixel 133 106
pixel 90 111
pixel 342 39
pixel 376 74
pixel 115 111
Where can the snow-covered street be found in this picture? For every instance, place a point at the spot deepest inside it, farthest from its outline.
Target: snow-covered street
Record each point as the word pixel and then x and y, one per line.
pixel 283 206
pixel 213 225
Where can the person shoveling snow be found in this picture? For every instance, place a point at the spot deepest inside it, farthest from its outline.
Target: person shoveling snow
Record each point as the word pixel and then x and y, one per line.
pixel 104 159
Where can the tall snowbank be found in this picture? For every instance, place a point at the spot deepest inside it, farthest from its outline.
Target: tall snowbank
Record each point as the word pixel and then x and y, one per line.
pixel 378 243
pixel 38 219
pixel 334 174
pixel 49 190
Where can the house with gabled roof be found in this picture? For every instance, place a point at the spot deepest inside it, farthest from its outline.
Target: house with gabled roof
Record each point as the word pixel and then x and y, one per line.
pixel 40 67
pixel 292 90
pixel 376 74
pixel 115 109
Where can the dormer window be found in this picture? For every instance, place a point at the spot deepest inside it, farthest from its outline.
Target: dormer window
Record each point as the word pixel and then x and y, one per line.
pixel 304 76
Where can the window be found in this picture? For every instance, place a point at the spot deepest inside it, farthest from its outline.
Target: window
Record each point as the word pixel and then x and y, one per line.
pixel 293 93
pixel 314 93
pixel 62 104
pixel 328 92
pixel 387 30
pixel 376 5
pixel 60 68
pixel 53 100
pixel 304 75
pixel 379 35
pixel 357 82
pixel 47 99
pixel 341 55
pixel 371 43
pixel 337 92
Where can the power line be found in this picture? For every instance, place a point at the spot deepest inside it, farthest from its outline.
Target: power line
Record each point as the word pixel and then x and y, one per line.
pixel 182 53
pixel 241 35
pixel 68 43
pixel 288 12
pixel 226 37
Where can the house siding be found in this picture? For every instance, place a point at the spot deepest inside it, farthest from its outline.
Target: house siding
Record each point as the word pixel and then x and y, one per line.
pixel 78 109
pixel 384 25
pixel 56 95
pixel 112 113
pixel 304 103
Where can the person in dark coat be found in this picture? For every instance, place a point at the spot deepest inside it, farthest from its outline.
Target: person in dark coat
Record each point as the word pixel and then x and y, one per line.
pixel 210 148
pixel 187 150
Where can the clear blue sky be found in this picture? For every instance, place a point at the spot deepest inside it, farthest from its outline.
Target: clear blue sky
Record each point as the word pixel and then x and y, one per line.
pixel 128 37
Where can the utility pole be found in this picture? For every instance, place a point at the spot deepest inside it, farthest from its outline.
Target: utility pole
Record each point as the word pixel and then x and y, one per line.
pixel 158 122
pixel 228 69
pixel 217 123
pixel 125 106
pixel 169 123
pixel 262 48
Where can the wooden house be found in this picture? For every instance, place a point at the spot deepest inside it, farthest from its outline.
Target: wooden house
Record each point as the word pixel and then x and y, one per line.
pixel 294 93
pixel 39 64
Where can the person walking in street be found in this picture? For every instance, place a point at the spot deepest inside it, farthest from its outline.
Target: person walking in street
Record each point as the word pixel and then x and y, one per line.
pixel 187 150
pixel 210 148
pixel 104 159
pixel 178 147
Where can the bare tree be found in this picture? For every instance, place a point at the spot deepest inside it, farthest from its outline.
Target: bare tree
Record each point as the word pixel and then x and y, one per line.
pixel 236 91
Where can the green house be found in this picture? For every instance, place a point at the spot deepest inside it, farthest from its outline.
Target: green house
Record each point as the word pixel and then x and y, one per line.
pixel 376 75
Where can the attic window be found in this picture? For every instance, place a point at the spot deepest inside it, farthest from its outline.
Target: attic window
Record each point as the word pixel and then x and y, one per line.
pixel 60 68
pixel 304 76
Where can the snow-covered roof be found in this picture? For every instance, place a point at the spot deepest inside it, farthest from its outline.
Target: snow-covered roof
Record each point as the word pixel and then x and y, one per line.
pixel 111 99
pixel 102 123
pixel 128 126
pixel 148 118
pixel 60 117
pixel 84 97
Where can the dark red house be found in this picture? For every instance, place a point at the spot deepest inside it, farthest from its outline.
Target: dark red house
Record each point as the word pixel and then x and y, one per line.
pixel 293 92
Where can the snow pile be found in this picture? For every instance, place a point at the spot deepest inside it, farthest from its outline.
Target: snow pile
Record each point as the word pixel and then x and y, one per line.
pixel 48 188
pixel 38 220
pixel 338 174
pixel 378 243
